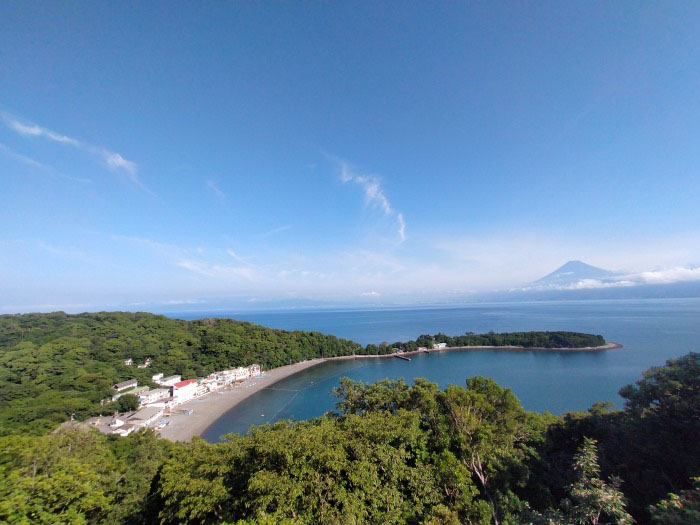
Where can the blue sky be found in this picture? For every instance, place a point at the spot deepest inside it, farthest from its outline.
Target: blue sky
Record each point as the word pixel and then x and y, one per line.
pixel 176 153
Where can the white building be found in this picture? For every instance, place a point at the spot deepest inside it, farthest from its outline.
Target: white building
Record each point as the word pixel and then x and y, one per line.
pixel 169 381
pixel 116 421
pixel 212 382
pixel 439 346
pixel 241 373
pixel 184 391
pixel 145 417
pixel 128 362
pixel 151 396
pixel 201 390
pixel 157 377
pixel 254 370
pixel 124 430
pixel 236 374
pixel 146 363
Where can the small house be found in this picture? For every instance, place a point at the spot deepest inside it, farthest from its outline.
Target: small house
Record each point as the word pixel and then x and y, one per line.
pixel 145 416
pixel 124 430
pixel 125 385
pixel 152 396
pixel 170 380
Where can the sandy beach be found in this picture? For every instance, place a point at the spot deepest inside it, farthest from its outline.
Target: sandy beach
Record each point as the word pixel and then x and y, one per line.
pixel 207 409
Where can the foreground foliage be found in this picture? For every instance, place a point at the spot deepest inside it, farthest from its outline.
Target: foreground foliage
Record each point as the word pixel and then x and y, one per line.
pixel 393 453
pixel 679 509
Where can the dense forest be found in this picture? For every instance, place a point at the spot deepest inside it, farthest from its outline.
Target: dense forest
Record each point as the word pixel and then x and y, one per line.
pixel 55 365
pixel 524 339
pixel 391 453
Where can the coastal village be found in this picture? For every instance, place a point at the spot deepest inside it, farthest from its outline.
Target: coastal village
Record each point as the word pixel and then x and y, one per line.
pixel 157 404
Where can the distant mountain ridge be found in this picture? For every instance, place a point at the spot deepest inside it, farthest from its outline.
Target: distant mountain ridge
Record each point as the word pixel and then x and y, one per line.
pixel 573 272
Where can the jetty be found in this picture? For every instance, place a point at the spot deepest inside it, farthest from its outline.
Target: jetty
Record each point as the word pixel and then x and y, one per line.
pixel 399 356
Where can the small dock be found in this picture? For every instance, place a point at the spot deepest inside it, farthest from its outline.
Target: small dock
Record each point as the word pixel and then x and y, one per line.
pixel 399 356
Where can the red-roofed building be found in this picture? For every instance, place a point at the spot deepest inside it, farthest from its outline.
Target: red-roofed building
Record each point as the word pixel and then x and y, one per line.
pixel 184 390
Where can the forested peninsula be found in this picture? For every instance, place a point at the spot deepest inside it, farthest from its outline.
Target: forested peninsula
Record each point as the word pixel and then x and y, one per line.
pixel 540 340
pixel 391 452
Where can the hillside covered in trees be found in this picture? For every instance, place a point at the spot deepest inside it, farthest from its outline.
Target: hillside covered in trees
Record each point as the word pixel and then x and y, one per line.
pixel 55 365
pixel 392 453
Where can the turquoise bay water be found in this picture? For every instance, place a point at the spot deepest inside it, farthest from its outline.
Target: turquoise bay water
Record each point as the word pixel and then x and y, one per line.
pixel 650 330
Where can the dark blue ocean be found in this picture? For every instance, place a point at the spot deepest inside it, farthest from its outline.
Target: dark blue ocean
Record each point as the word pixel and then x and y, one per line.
pixel 651 331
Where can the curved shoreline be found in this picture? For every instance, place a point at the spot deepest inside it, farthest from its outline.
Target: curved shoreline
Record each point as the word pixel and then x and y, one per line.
pixel 210 407
pixel 207 409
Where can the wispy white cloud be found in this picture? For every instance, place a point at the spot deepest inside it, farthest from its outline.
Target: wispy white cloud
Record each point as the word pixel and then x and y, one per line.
pixel 214 188
pixel 112 160
pixel 196 260
pixel 157 246
pixel 371 186
pixel 587 284
pixel 402 227
pixel 28 161
pixel 70 253
pixel 22 158
pixel 669 275
pixel 374 194
pixel 218 271
pixel 677 274
pixel 34 130
pixel 275 231
pixel 116 162
pixel 237 257
pixel 61 251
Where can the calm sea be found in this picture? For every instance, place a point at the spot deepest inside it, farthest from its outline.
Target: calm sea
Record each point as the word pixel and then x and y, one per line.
pixel 651 331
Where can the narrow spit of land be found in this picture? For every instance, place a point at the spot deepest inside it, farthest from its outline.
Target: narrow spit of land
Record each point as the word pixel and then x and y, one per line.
pixel 207 409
